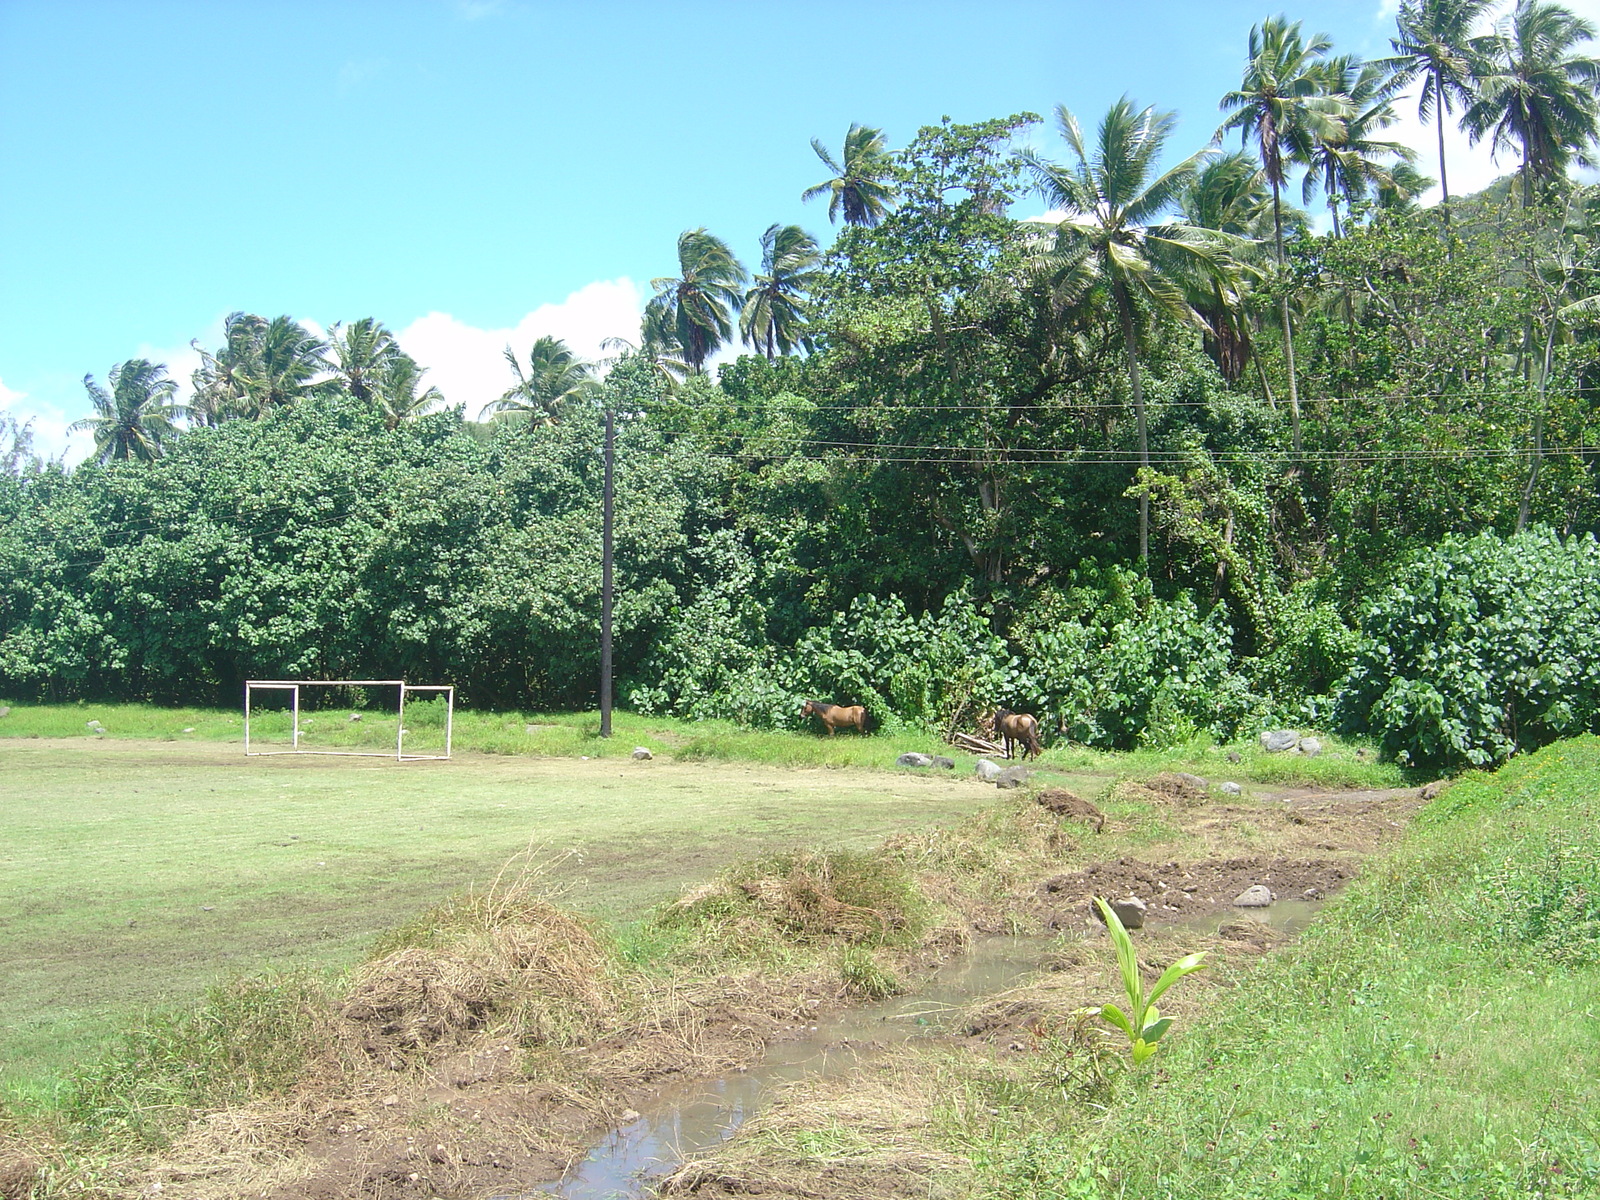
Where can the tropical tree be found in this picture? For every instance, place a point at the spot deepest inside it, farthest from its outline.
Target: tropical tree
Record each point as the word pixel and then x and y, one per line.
pixel 1112 236
pixel 862 185
pixel 1434 44
pixel 555 377
pixel 134 418
pixel 1536 94
pixel 773 319
pixel 694 310
pixel 361 353
pixel 1346 163
pixel 1229 195
pixel 261 365
pixel 1282 104
pixel 399 392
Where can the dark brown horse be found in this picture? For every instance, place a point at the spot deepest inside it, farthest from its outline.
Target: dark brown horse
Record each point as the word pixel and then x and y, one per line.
pixel 837 716
pixel 1017 727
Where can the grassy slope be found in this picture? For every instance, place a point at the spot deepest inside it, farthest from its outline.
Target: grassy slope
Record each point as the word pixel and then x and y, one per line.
pixel 1437 1034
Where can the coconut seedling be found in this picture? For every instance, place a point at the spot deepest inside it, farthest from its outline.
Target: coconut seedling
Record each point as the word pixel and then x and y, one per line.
pixel 1142 1022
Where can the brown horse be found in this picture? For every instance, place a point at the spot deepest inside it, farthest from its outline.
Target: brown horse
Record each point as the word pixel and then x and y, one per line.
pixel 1017 727
pixel 837 716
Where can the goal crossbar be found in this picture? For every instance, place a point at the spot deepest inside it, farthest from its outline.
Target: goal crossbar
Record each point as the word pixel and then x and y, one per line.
pixel 293 686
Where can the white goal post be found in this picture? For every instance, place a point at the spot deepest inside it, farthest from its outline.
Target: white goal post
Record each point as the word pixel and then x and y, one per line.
pixel 293 686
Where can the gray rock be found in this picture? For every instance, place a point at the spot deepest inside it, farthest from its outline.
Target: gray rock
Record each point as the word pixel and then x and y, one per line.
pixel 914 759
pixel 188 728
pixel 943 763
pixel 988 771
pixel 94 725
pixel 1311 893
pixel 1013 777
pixel 5 710
pixel 1276 741
pixel 1129 911
pixel 355 716
pixel 1257 896
pixel 1235 757
pixel 642 753
pixel 1193 781
pixel 1231 789
pixel 1310 747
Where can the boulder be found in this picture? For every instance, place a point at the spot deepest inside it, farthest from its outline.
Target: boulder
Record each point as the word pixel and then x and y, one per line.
pixel 95 725
pixel 5 710
pixel 1310 747
pixel 642 753
pixel 988 771
pixel 1235 757
pixel 1256 896
pixel 1129 911
pixel 1276 741
pixel 1012 777
pixel 1230 788
pixel 914 759
pixel 355 716
pixel 943 763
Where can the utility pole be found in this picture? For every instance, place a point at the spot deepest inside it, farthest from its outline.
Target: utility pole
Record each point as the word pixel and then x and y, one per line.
pixel 605 578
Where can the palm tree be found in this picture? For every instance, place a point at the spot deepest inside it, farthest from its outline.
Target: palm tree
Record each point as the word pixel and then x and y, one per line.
pixel 134 418
pixel 362 353
pixel 773 319
pixel 1536 95
pixel 694 310
pixel 1400 194
pixel 1434 43
pixel 1229 195
pixel 262 365
pixel 1283 105
pixel 396 389
pixel 1345 164
pixel 223 381
pixel 863 185
pixel 554 378
pixel 1112 237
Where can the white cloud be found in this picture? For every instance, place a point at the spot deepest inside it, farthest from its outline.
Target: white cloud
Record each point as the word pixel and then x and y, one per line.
pixel 468 364
pixel 48 425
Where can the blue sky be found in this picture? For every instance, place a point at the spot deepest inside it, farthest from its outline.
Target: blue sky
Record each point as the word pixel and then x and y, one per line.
pixel 474 173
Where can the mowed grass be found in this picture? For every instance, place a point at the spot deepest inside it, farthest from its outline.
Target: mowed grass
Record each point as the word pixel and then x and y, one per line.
pixel 134 873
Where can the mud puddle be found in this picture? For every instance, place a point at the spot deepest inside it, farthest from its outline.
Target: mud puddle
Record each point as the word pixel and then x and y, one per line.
pixel 691 1120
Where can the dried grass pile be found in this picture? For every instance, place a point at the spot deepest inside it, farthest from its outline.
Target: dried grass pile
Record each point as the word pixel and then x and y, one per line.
pixel 812 897
pixel 505 953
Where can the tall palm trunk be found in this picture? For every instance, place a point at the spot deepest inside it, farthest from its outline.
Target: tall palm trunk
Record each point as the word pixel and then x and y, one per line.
pixel 1136 384
pixel 1288 332
pixel 1444 181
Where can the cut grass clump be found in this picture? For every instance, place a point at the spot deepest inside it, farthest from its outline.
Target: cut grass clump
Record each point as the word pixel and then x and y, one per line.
pixel 505 953
pixel 864 977
pixel 249 1037
pixel 809 897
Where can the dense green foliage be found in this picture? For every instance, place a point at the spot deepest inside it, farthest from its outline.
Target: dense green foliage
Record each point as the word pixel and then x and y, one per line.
pixel 1140 471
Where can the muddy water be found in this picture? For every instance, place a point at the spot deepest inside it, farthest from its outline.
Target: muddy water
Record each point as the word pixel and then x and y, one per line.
pixel 690 1120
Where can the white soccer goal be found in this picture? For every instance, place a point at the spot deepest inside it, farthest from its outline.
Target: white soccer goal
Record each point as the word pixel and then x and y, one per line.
pixel 297 730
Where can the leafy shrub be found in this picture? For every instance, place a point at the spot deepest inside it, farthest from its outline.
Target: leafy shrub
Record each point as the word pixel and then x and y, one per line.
pixel 1481 647
pixel 1119 667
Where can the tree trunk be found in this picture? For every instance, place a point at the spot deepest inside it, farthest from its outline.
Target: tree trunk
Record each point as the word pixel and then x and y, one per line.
pixel 1288 331
pixel 1131 346
pixel 1525 508
pixel 1444 182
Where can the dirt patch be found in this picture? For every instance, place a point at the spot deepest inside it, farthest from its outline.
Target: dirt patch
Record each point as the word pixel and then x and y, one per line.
pixel 17 1177
pixel 1066 804
pixel 1174 890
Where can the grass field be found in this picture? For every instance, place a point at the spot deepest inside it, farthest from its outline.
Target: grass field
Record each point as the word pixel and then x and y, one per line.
pixel 136 872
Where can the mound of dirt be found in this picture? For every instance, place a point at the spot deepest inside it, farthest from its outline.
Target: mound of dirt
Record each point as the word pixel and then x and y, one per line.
pixel 1065 804
pixel 1166 788
pixel 417 996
